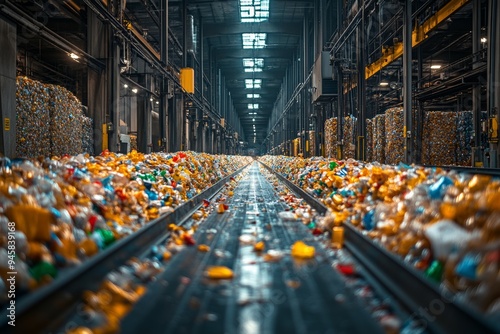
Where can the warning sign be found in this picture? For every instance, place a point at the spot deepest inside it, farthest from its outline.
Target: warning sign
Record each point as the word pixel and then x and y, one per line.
pixel 6 124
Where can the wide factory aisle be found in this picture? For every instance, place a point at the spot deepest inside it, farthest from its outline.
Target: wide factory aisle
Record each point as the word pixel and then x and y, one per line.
pixel 265 296
pixel 250 166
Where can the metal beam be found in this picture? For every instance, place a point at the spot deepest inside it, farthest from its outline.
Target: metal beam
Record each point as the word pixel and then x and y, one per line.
pixel 419 34
pixel 276 75
pixel 217 29
pixel 225 53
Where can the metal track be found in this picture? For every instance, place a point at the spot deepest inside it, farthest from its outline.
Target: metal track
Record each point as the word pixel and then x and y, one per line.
pixel 469 170
pixel 48 307
pixel 435 310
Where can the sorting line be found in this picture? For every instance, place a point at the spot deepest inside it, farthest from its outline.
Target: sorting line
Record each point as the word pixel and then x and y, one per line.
pixel 263 297
pixel 408 286
pixel 33 314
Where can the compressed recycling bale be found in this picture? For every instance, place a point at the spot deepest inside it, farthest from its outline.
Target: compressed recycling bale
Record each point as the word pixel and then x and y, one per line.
pixel 439 135
pixel 133 142
pixel 312 143
pixel 349 150
pixel 379 138
pixel 65 122
pixel 33 118
pixel 369 140
pixel 464 136
pixel 394 124
pixel 331 137
pixel 87 135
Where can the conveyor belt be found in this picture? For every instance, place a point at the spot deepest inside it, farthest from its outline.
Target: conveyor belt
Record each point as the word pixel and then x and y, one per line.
pixel 437 310
pixel 470 170
pixel 32 311
pixel 286 296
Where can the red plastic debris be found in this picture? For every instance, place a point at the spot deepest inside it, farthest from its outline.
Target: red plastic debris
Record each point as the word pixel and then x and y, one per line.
pixel 346 269
pixel 188 240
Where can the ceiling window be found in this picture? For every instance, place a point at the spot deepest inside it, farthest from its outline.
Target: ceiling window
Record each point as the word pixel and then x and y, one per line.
pixel 253 64
pixel 253 106
pixel 253 96
pixel 254 10
pixel 254 40
pixel 253 83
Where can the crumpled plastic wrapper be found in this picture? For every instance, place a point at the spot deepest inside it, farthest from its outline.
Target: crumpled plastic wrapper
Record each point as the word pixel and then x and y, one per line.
pixel 379 138
pixel 394 124
pixel 349 143
pixel 331 137
pixel 369 140
pixel 439 138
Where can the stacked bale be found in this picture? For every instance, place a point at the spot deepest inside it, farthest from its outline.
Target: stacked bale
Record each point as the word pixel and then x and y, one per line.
pixel 369 140
pixel 50 121
pixel 331 137
pixel 349 149
pixel 394 124
pixel 379 138
pixel 439 138
pixel 33 117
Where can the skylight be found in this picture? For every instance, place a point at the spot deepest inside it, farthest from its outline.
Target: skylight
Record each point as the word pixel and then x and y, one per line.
pixel 253 106
pixel 253 96
pixel 253 83
pixel 253 62
pixel 254 40
pixel 254 10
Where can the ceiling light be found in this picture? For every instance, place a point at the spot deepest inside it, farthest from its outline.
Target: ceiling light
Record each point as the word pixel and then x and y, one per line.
pixel 253 119
pixel 125 86
pixel 74 56
pixel 134 90
pixel 151 99
pixel 383 83
pixel 157 102
pixel 435 67
pixel 483 40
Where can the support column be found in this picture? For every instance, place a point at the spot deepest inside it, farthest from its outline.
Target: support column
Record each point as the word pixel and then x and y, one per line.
pixel 8 45
pixel 493 87
pixel 97 46
pixel 144 123
pixel 114 93
pixel 476 89
pixel 407 79
pixel 163 111
pixel 176 124
pixel 361 140
pixel 340 111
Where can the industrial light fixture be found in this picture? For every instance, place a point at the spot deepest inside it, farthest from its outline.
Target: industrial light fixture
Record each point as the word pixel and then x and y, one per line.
pixel 435 67
pixel 384 83
pixel 253 119
pixel 125 86
pixel 134 90
pixel 74 56
pixel 157 102
pixel 151 99
pixel 483 40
